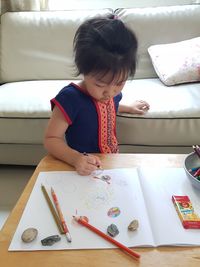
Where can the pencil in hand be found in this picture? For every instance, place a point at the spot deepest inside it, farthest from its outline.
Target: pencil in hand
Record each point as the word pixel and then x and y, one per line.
pixel 97 165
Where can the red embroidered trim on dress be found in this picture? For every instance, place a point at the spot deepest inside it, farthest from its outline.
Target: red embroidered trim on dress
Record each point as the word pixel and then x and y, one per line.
pixel 107 127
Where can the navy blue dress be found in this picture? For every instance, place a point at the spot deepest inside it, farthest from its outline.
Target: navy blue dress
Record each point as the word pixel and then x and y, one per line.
pixel 92 124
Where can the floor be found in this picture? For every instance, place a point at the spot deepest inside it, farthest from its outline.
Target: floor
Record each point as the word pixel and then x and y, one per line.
pixel 12 182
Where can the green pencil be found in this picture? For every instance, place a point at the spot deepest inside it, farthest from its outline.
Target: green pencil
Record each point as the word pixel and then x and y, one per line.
pixel 52 209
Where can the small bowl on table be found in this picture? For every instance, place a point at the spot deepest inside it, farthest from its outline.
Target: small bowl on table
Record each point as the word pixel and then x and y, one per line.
pixel 192 161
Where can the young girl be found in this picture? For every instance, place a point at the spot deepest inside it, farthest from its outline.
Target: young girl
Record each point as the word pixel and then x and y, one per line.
pixel 83 120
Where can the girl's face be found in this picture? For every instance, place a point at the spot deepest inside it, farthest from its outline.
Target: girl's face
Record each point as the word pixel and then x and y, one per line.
pixel 102 89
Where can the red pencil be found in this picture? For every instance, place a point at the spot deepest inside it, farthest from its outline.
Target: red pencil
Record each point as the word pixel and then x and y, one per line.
pixel 197 173
pixel 108 238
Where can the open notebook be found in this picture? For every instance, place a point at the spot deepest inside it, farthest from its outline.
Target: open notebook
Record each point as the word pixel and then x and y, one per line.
pixel 143 194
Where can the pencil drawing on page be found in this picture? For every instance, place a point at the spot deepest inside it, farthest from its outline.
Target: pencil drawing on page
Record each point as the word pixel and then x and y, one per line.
pixel 99 195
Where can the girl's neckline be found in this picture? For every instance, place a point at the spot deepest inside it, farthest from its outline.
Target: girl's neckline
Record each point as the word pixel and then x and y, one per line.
pixel 86 93
pixel 79 88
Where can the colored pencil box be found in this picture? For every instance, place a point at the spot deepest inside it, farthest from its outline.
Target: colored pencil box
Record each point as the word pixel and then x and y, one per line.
pixel 185 210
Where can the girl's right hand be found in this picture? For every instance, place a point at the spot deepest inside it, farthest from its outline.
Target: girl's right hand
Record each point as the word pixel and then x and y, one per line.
pixel 85 164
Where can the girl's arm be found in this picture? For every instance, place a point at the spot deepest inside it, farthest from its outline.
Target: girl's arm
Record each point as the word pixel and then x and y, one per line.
pixel 138 107
pixel 54 142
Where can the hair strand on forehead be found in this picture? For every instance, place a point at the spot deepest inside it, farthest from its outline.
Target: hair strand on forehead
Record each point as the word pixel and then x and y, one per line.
pixel 110 76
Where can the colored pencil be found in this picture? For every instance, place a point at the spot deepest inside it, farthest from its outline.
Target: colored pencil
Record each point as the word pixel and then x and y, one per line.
pixel 197 173
pixel 98 166
pixel 194 169
pixel 53 211
pixel 106 237
pixel 64 225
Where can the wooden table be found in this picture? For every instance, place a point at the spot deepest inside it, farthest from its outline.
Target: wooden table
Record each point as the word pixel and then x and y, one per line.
pixel 150 257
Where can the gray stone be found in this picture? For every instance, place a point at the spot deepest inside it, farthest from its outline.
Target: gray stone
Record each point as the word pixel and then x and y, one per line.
pixel 50 240
pixel 112 230
pixel 29 235
pixel 133 225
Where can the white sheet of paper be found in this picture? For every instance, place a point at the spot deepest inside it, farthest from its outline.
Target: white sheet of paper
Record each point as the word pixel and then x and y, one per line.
pixel 142 194
pixel 90 197
pixel 158 187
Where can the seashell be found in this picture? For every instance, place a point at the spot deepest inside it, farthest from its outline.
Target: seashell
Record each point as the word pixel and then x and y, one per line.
pixel 112 230
pixel 50 240
pixel 29 235
pixel 133 225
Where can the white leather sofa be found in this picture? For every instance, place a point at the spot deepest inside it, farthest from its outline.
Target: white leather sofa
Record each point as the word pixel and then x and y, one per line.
pixel 37 61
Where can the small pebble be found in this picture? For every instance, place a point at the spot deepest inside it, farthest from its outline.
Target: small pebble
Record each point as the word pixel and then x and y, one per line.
pixel 50 240
pixel 112 230
pixel 133 225
pixel 29 235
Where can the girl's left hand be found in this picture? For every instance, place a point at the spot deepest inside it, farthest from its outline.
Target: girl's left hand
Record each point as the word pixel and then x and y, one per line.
pixel 140 107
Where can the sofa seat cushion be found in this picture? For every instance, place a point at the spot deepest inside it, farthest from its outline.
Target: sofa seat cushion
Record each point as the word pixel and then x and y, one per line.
pixel 28 99
pixel 166 102
pixel 173 118
pixel 25 110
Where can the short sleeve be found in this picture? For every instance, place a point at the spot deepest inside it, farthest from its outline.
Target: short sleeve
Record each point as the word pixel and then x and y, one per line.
pixel 68 101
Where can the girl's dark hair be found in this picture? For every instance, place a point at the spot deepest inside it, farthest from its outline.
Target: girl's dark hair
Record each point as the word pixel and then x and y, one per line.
pixel 103 45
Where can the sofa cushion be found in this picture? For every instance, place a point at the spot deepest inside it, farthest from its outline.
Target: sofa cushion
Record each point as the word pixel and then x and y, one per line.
pixel 173 118
pixel 28 99
pixel 25 110
pixel 41 43
pixel 174 111
pixel 159 25
pixel 178 62
pixel 180 101
pixel 51 58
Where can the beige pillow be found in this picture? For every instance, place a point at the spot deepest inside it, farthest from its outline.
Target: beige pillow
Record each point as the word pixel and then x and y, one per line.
pixel 177 63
